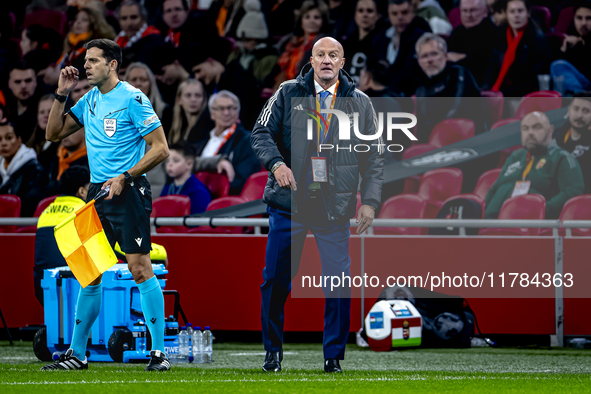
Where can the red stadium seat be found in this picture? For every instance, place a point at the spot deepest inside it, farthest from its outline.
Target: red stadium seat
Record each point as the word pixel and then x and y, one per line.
pixel 254 187
pixel 542 15
pixel 10 207
pixel 450 131
pixel 577 208
pixel 565 19
pixel 485 181
pixel 220 203
pixel 454 17
pixel 437 186
pixel 218 184
pixel 411 184
pixel 495 101
pixel 38 211
pixel 527 207
pixel 505 153
pixel 171 206
pixel 543 100
pixel 403 206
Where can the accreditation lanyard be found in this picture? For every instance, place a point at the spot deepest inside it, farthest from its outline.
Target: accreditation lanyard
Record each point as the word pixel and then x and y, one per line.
pixel 530 163
pixel 567 135
pixel 327 124
pixel 226 138
pixel 522 187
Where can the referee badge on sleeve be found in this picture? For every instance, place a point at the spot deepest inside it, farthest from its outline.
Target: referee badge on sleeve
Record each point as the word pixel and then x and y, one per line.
pixel 110 126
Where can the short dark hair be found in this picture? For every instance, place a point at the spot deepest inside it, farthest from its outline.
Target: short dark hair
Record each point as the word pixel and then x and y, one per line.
pixel 399 2
pixel 130 3
pixel 581 4
pixel 378 70
pixel 583 95
pixel 21 65
pixel 525 2
pixel 15 129
pixel 73 179
pixel 111 51
pixel 187 150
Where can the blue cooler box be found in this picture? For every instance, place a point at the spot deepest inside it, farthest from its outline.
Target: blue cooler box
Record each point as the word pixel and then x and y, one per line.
pixel 121 309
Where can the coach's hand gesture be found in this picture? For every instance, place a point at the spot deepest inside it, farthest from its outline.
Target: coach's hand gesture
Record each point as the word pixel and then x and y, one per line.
pixel 285 177
pixel 68 80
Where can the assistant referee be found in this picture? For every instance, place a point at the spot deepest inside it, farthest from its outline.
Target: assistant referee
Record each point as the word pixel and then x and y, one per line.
pixel 119 120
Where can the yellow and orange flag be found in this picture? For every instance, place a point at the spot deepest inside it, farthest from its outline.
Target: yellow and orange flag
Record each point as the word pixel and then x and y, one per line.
pixel 83 243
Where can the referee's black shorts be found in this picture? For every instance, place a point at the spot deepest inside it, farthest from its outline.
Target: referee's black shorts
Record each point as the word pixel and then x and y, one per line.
pixel 126 218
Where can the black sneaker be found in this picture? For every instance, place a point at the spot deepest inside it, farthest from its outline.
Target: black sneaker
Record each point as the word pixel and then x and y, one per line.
pixel 158 361
pixel 67 362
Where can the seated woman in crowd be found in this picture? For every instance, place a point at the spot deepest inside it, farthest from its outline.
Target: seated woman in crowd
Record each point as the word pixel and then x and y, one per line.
pixel 189 117
pixel 45 150
pixel 140 76
pixel 520 54
pixel 311 24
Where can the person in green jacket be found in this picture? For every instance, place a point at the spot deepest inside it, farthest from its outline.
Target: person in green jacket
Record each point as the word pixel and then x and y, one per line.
pixel 541 167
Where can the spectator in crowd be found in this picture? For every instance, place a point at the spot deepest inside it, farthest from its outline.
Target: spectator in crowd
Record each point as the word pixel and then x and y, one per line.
pixel 575 135
pixel 188 119
pixel 281 16
pixel 199 49
pixel 140 76
pixel 541 167
pixel 252 66
pixel 520 54
pixel 397 45
pixel 132 17
pixel 573 69
pixel 229 138
pixel 359 44
pixel 72 152
pixel 45 150
pixel 36 37
pixel 22 103
pixel 498 12
pixel 446 81
pixel 181 166
pixel 432 12
pixel 227 15
pixel 312 24
pixel 342 14
pixel 471 44
pixel 9 49
pixel 19 170
pixel 81 89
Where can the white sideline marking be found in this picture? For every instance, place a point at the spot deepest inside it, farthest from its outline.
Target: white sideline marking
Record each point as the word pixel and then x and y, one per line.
pixel 330 380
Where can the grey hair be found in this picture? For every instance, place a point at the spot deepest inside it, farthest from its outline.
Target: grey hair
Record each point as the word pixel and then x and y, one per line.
pixel 130 3
pixel 428 37
pixel 225 94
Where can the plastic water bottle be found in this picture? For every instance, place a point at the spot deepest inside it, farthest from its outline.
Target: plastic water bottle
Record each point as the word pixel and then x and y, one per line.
pixel 184 350
pixel 190 333
pixel 207 345
pixel 197 345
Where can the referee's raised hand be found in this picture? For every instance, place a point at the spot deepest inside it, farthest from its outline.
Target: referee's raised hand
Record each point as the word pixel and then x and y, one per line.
pixel 68 80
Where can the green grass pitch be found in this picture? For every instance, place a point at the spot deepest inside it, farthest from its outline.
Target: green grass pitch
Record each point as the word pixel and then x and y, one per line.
pixel 237 370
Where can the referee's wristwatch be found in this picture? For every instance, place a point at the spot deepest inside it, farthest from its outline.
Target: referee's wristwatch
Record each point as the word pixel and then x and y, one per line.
pixel 59 97
pixel 128 178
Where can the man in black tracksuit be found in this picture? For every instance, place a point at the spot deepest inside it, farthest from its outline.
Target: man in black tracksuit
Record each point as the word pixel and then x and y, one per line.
pixel 321 199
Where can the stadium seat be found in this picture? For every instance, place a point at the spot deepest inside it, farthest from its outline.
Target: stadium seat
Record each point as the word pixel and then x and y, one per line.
pixel 577 208
pixel 485 181
pixel 450 131
pixel 48 18
pixel 403 206
pixel 505 153
pixel 171 206
pixel 411 184
pixel 565 19
pixel 454 17
pixel 218 184
pixel 542 15
pixel 38 211
pixel 220 203
pixel 254 187
pixel 10 207
pixel 437 186
pixel 526 207
pixel 542 100
pixel 495 101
